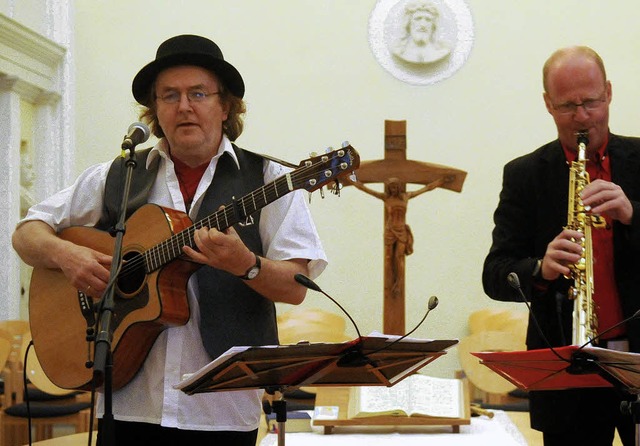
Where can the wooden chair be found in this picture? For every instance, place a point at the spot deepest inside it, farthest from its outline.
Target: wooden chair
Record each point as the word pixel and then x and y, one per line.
pixel 492 330
pixel 5 351
pixel 311 324
pixel 49 405
pixel 12 331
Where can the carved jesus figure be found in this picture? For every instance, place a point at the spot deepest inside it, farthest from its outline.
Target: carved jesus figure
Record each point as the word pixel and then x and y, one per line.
pixel 398 238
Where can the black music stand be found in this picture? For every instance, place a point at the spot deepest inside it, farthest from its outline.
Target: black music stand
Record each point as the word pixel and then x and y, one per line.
pixel 366 361
pixel 571 367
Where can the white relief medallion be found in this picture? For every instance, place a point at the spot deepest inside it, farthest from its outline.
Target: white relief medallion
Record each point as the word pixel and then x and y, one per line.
pixel 421 41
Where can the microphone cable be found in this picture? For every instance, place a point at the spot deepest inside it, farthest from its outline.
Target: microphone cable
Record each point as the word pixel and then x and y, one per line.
pixel 514 282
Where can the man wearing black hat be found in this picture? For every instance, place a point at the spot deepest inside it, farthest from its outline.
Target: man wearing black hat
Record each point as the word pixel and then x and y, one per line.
pixel 192 100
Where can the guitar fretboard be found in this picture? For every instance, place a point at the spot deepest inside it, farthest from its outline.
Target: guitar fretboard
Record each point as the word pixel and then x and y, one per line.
pixel 239 210
pixel 313 174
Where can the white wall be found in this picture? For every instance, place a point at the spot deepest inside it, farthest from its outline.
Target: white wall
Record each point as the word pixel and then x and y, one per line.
pixel 312 81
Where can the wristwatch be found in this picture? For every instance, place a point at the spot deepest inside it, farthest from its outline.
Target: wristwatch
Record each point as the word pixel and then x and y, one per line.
pixel 252 272
pixel 537 270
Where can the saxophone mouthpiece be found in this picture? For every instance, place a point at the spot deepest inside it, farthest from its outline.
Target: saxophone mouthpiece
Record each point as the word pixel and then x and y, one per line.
pixel 583 137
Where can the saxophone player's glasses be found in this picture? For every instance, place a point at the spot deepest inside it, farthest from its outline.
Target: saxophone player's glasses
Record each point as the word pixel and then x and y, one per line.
pixel 589 105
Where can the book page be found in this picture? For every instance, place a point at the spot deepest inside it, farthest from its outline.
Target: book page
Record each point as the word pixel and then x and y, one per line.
pixel 417 395
pixel 435 397
pixel 376 401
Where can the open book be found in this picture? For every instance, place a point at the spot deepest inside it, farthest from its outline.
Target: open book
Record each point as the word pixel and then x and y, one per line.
pixel 415 396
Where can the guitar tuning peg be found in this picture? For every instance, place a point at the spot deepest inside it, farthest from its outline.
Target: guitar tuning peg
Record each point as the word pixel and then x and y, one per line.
pixel 312 154
pixel 345 144
pixel 336 187
pixel 328 149
pixel 322 192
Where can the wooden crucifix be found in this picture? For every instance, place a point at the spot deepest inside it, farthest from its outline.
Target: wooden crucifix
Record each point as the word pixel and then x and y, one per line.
pixel 396 171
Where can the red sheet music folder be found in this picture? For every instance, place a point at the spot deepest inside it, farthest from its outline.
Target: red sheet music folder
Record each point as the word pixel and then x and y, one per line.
pixel 543 369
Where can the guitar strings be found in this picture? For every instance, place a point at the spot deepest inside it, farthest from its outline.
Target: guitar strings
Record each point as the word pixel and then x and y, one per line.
pixel 171 248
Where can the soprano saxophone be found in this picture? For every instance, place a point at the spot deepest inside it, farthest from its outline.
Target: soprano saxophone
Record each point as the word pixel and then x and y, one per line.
pixel 585 321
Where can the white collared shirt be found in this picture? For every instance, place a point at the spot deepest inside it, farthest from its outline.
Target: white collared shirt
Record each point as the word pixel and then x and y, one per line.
pixel 286 230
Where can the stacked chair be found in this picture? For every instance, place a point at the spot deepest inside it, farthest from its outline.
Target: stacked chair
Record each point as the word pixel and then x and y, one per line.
pixel 48 406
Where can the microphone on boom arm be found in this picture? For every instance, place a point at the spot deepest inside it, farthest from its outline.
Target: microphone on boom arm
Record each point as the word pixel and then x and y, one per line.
pixel 514 282
pixel 355 357
pixel 584 362
pixel 581 362
pixel 308 283
pixel 433 302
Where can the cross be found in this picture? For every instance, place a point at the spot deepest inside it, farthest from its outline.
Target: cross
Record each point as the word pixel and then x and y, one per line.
pixel 395 171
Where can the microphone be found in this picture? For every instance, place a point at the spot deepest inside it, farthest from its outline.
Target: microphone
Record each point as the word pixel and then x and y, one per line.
pixel 514 282
pixel 355 357
pixel 308 283
pixel 433 302
pixel 137 133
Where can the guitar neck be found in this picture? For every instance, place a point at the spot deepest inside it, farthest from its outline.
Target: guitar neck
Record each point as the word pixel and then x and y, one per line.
pixel 237 211
pixel 312 174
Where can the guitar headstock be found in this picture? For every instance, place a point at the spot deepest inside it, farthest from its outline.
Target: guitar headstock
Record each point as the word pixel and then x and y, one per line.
pixel 320 170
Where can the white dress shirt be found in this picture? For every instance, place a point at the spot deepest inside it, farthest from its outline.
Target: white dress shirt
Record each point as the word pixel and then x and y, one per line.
pixel 286 230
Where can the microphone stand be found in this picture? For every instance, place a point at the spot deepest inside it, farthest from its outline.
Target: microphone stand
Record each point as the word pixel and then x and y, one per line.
pixel 103 355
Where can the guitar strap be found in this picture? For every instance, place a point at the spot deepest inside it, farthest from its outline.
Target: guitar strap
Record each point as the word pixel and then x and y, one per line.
pixel 231 313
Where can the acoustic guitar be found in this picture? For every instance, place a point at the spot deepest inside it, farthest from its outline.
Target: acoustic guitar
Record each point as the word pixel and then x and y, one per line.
pixel 152 281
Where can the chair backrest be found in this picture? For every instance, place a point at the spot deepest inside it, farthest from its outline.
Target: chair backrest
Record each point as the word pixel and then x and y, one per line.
pixel 35 373
pixel 491 330
pixel 311 324
pixel 5 351
pixel 13 331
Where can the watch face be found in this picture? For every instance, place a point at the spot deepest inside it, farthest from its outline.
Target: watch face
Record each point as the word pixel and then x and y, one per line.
pixel 253 272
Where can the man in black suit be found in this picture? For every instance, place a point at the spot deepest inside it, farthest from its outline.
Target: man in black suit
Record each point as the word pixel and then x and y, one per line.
pixel 531 240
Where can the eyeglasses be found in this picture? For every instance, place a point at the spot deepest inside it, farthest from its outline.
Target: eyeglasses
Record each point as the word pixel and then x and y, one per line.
pixel 589 105
pixel 173 97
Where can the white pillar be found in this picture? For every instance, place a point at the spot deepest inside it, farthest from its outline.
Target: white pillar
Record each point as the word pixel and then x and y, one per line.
pixel 10 193
pixel 37 70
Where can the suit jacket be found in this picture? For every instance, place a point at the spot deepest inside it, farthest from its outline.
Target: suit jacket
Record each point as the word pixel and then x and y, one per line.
pixel 532 210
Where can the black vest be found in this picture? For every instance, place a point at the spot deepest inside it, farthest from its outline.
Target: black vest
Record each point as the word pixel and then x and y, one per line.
pixel 231 313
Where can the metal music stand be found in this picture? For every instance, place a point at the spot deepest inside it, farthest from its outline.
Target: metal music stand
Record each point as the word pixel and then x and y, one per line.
pixel 366 361
pixel 571 367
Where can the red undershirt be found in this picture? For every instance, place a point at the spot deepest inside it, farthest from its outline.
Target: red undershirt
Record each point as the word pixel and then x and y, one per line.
pixel 605 290
pixel 188 178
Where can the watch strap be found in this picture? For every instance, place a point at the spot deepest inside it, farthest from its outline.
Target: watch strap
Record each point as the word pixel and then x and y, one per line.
pixel 253 271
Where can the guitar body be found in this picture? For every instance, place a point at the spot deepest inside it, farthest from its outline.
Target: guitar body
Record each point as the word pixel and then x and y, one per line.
pixel 145 303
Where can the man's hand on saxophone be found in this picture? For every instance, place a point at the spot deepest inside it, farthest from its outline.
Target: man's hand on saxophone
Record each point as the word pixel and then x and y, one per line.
pixel 608 198
pixel 563 250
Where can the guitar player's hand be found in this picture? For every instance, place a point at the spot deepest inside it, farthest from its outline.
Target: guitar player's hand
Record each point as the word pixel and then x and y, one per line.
pixel 86 269
pixel 225 250
pixel 221 250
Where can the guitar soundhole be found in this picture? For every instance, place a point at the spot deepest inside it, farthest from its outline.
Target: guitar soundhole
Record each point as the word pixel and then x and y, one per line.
pixel 132 276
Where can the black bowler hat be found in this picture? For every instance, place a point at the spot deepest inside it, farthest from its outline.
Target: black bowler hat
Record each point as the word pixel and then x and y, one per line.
pixel 187 50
